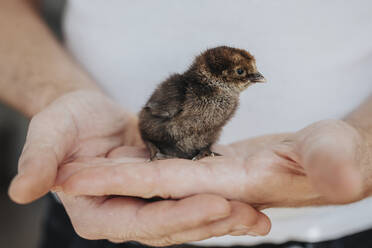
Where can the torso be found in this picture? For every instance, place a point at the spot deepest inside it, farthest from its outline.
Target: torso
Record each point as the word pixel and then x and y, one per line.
pixel 315 54
pixel 203 116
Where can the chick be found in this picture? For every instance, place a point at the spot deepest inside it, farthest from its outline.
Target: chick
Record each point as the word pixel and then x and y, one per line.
pixel 184 116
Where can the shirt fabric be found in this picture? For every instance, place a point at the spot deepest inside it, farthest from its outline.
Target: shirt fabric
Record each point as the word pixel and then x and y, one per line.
pixel 316 56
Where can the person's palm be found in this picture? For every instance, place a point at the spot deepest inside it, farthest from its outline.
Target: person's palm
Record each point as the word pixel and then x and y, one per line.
pixel 76 125
pixel 87 126
pixel 320 164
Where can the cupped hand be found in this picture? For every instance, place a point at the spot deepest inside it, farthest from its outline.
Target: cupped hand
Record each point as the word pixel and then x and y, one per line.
pixel 324 163
pixel 86 124
pixel 81 123
pixel 157 223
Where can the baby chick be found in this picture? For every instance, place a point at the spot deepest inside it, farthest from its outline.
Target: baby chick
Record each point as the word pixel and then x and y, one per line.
pixel 186 113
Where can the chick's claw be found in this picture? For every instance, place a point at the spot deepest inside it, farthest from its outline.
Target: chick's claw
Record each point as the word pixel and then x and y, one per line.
pixel 154 151
pixel 205 153
pixel 160 156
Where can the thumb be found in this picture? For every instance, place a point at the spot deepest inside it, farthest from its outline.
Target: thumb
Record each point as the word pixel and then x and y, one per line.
pixel 329 152
pixel 44 150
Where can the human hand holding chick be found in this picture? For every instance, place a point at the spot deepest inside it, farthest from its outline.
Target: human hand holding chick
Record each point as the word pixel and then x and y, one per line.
pixel 158 223
pixel 87 123
pixel 328 162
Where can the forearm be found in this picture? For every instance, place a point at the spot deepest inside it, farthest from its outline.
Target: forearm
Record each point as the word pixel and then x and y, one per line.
pixel 34 68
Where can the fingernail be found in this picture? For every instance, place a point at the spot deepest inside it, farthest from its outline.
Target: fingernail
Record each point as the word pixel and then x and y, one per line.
pixel 243 232
pixel 240 228
pixel 238 233
pixel 252 234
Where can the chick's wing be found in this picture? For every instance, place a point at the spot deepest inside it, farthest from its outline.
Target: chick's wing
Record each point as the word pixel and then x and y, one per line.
pixel 167 99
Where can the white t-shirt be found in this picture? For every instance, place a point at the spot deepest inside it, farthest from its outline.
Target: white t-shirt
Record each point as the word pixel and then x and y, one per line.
pixel 315 54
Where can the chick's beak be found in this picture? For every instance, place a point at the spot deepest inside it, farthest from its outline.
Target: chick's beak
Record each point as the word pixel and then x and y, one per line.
pixel 257 78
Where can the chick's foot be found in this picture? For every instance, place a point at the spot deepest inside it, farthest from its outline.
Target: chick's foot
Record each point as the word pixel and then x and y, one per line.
pixel 205 153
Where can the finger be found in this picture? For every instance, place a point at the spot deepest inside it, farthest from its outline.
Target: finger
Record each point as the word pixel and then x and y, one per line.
pixel 173 178
pixel 67 170
pixel 44 149
pixel 134 219
pixel 330 157
pixel 243 220
pixel 193 212
pixel 129 151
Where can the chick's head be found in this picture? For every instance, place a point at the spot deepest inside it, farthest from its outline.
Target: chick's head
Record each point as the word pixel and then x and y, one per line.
pixel 230 67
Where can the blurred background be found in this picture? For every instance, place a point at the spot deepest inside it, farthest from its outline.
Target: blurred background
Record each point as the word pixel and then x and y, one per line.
pixel 17 220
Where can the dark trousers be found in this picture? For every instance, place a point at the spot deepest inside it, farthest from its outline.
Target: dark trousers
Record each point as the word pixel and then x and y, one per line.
pixel 59 233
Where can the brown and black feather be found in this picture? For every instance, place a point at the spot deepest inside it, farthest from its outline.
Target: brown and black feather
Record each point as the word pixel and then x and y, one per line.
pixel 184 116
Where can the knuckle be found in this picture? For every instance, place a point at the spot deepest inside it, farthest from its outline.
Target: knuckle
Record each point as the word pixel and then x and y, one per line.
pixel 164 240
pixel 85 228
pixel 169 240
pixel 214 231
pixel 142 235
pixel 154 182
pixel 155 242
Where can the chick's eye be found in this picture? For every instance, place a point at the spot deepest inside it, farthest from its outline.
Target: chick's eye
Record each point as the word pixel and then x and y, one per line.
pixel 240 71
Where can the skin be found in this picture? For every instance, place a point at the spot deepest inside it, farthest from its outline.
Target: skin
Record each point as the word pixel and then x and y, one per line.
pixel 71 119
pixel 327 162
pixel 304 167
